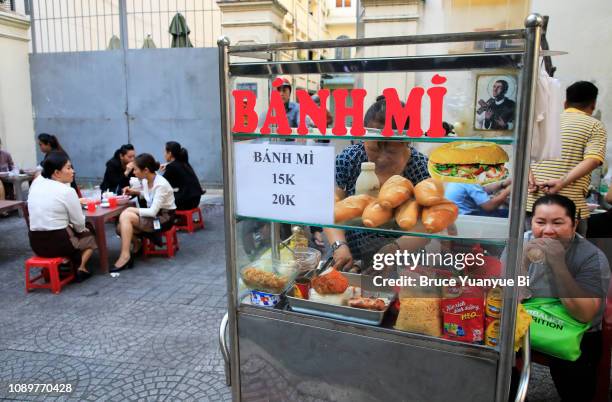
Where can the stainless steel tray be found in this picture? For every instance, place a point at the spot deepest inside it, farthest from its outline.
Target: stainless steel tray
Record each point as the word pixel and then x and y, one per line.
pixel 345 313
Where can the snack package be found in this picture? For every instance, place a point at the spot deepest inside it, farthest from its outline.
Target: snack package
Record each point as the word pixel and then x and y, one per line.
pixel 420 315
pixel 463 314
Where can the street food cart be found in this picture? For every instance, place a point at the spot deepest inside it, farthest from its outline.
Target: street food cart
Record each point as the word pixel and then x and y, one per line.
pixel 290 352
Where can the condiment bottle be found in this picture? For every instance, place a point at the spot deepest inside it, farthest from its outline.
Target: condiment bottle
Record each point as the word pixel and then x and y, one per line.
pixel 495 298
pixel 492 331
pixel 367 182
pixel 298 238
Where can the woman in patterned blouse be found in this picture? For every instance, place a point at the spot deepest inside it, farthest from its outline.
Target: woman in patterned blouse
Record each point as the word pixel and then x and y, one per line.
pixel 391 158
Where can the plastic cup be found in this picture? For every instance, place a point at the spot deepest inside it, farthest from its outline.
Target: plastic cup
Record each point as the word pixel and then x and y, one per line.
pixel 112 202
pixel 91 206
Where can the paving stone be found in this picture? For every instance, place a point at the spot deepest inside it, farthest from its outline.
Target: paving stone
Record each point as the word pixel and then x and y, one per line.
pixel 135 337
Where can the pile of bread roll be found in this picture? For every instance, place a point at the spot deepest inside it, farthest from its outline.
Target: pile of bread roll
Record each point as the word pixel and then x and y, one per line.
pixel 399 199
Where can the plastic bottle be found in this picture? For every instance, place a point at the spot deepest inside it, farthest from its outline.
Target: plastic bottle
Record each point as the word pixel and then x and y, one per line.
pixel 494 304
pixel 367 182
pixel 298 238
pixel 97 193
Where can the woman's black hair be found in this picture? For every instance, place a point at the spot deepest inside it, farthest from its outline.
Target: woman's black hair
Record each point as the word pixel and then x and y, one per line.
pixel 377 113
pixel 55 160
pixel 51 140
pixel 177 151
pixel 147 161
pixel 124 149
pixel 560 200
pixel 179 154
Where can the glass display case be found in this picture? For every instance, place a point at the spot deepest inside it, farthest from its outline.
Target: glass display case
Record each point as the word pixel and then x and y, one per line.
pixel 300 329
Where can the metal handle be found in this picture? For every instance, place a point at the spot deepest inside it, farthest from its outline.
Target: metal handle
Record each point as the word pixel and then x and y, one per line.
pixel 521 392
pixel 224 349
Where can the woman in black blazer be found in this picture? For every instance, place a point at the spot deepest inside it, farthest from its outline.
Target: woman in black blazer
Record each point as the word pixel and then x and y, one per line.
pixel 182 178
pixel 119 170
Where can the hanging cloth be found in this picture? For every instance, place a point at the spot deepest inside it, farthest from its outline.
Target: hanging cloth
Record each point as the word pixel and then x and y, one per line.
pixel 546 139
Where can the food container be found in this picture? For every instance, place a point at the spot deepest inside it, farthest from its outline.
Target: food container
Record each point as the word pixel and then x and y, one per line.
pixel 269 275
pixel 307 259
pixel 302 287
pixel 264 299
pixel 344 313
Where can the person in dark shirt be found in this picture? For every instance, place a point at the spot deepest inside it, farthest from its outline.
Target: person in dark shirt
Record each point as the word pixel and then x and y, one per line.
pixel 48 143
pixel 119 170
pixel 391 158
pixel 182 177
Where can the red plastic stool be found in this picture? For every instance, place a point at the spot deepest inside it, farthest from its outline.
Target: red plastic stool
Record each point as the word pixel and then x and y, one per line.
pixel 169 248
pixel 49 269
pixel 190 226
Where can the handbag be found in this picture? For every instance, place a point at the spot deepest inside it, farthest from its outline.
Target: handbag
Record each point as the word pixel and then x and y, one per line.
pixel 553 330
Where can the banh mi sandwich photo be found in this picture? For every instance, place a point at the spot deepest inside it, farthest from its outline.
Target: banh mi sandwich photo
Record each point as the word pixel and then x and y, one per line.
pixel 468 162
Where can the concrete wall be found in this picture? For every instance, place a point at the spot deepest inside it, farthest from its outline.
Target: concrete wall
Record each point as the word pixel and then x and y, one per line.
pixel 96 101
pixel 16 128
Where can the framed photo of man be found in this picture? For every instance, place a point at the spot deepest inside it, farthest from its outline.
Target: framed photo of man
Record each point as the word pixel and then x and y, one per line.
pixel 495 108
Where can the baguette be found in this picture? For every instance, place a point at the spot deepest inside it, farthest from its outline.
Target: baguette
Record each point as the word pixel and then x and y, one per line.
pixel 407 215
pixel 438 217
pixel 429 192
pixel 375 215
pixel 351 207
pixel 395 191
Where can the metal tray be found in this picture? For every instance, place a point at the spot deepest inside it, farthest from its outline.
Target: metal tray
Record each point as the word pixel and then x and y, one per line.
pixel 345 313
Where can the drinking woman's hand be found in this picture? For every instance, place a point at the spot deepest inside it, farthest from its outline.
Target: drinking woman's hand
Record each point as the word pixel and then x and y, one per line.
pixel 129 168
pixel 130 192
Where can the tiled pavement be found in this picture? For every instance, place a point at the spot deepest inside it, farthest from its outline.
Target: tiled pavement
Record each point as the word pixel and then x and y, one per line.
pixel 150 334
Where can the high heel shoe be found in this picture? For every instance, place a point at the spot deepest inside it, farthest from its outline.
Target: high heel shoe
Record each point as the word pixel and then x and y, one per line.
pixel 82 276
pixel 127 265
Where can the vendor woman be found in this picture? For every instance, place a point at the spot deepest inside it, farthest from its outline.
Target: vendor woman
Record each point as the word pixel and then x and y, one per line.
pixel 391 158
pixel 578 273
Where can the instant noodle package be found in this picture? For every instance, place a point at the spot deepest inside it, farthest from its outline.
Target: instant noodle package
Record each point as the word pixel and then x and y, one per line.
pixel 463 314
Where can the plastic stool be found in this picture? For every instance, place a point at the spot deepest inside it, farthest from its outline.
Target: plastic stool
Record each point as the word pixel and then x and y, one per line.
pixel 169 248
pixel 190 226
pixel 49 269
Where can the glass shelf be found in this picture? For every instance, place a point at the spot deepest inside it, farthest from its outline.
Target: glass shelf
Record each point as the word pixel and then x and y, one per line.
pixel 372 135
pixel 474 229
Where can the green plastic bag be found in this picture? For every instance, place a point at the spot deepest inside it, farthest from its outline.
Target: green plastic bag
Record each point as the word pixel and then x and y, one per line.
pixel 553 331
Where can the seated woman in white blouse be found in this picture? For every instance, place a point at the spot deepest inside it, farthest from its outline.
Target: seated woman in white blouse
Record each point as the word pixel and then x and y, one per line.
pixel 57 223
pixel 159 214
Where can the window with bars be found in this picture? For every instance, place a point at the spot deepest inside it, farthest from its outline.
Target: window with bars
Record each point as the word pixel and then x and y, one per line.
pixel 7 5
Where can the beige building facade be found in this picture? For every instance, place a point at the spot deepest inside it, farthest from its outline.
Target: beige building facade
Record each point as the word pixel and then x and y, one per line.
pixel 16 123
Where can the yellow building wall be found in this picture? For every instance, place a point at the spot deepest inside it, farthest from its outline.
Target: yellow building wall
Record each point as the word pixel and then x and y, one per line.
pixel 16 123
pixel 476 15
pixel 337 30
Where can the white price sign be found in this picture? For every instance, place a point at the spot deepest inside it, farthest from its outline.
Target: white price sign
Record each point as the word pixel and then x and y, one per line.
pixel 285 181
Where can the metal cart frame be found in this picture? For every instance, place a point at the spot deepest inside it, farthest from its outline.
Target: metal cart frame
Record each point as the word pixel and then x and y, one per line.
pixel 526 58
